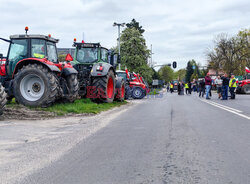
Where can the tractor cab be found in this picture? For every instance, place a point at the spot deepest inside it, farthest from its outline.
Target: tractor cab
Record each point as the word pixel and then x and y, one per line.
pixel 90 53
pixel 30 47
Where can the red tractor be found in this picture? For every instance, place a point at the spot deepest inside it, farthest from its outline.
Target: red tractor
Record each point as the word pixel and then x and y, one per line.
pixel 32 74
pixel 135 87
pixel 244 85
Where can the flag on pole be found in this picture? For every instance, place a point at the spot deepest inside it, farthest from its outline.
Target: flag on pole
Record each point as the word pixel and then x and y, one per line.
pixel 247 70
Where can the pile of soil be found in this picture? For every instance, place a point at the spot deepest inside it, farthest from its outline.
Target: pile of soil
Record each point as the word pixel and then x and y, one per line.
pixel 20 112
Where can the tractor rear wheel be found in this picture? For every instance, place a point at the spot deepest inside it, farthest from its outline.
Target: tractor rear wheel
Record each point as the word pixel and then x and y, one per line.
pixel 35 86
pixel 120 92
pixel 71 93
pixel 138 93
pixel 246 89
pixel 104 88
pixel 3 99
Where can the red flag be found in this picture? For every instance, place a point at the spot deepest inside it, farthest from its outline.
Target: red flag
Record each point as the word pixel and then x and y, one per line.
pixel 247 70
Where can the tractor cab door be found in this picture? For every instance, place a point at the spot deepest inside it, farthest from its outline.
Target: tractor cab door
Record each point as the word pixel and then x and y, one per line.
pixel 52 52
pixel 18 51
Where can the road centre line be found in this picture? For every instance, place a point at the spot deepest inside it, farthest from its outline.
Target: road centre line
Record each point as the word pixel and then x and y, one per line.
pixel 227 109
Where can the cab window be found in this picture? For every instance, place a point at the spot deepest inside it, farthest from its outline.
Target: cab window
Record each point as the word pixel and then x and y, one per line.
pixel 104 55
pixel 38 48
pixel 18 50
pixel 51 51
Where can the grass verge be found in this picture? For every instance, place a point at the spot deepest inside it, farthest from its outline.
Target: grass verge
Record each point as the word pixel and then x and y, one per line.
pixel 155 92
pixel 81 106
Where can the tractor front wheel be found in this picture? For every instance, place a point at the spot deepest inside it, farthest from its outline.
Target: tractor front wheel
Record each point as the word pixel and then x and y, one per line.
pixel 71 93
pixel 3 99
pixel 120 92
pixel 104 88
pixel 138 93
pixel 35 86
pixel 246 89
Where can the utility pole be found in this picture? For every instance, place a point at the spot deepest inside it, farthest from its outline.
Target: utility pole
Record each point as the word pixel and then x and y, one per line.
pixel 151 62
pixel 119 25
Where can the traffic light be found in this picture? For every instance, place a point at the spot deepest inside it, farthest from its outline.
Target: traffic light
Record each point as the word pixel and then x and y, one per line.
pixel 174 64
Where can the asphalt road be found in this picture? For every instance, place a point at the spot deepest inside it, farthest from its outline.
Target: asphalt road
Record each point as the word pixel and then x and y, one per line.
pixel 168 139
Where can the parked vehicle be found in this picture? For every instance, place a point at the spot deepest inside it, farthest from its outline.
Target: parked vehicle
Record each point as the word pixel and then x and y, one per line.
pixel 96 68
pixel 32 74
pixel 244 85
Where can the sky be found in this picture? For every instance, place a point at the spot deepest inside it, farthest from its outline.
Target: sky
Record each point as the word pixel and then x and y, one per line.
pixel 179 30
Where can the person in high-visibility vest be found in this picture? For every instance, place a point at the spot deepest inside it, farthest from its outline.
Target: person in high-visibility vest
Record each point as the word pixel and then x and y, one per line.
pixel 232 86
pixel 171 88
pixel 187 88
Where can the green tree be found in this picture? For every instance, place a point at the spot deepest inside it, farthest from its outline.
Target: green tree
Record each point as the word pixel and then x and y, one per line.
pixel 136 25
pixel 180 74
pixel 166 73
pixel 134 53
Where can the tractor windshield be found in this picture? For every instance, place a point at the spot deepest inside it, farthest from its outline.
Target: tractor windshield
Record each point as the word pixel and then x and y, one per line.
pixel 18 50
pixel 122 74
pixel 87 55
pixel 51 51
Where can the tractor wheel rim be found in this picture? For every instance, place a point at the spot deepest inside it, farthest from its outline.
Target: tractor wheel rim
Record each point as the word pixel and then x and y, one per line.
pixel 137 93
pixel 32 87
pixel 110 87
pixel 123 91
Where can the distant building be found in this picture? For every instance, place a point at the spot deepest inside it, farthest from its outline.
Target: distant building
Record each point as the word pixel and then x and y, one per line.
pixel 62 51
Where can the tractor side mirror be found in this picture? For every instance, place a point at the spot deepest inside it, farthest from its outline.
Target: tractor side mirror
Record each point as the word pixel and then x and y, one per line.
pixel 68 57
pixel 1 56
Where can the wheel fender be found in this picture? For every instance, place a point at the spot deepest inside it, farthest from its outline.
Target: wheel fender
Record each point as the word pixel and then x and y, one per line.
pixel 106 68
pixel 68 71
pixel 20 64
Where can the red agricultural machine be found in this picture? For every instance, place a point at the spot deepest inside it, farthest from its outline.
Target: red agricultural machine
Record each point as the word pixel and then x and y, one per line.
pixel 32 74
pixel 136 87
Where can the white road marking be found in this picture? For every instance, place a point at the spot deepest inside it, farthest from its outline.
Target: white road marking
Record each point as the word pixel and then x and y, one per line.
pixel 229 109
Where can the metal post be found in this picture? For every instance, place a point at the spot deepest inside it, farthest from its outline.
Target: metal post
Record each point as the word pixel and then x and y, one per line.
pixel 119 44
pixel 119 35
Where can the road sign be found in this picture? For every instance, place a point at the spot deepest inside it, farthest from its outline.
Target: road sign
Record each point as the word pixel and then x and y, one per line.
pixel 193 67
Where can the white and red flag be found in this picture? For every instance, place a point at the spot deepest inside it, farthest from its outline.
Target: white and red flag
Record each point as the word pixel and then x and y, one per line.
pixel 247 70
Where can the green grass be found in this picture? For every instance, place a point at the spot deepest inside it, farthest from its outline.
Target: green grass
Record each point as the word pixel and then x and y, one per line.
pixel 81 106
pixel 78 107
pixel 155 92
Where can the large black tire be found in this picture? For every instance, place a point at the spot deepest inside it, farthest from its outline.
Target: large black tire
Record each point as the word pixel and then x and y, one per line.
pixel 71 94
pixel 120 92
pixel 103 88
pixel 3 99
pixel 35 86
pixel 246 89
pixel 138 93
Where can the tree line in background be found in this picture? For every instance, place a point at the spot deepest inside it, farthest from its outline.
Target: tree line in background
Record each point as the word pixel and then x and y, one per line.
pixel 230 54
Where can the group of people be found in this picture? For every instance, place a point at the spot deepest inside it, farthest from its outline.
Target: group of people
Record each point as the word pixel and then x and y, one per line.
pixel 204 86
pixel 223 85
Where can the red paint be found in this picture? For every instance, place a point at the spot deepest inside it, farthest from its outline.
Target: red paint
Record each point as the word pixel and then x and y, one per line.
pixel 110 87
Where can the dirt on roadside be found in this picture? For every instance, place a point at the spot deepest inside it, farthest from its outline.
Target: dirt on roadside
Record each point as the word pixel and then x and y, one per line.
pixel 23 113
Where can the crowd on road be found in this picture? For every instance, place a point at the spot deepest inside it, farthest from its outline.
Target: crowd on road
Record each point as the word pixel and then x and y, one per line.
pixel 203 87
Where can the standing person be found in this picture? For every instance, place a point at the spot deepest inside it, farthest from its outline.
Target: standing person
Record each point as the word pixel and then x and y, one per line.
pixel 225 83
pixel 218 82
pixel 202 88
pixel 232 86
pixel 208 83
pixel 171 87
pixel 186 88
pixel 190 88
pixel 168 86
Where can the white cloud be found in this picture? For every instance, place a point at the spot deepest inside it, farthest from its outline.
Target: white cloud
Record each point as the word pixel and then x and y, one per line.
pixel 179 30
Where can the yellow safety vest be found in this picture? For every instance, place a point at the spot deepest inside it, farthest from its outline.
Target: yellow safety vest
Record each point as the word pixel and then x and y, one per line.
pixel 186 85
pixel 171 86
pixel 36 55
pixel 230 83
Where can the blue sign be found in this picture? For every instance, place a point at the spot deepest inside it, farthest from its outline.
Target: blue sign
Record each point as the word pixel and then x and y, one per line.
pixel 193 67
